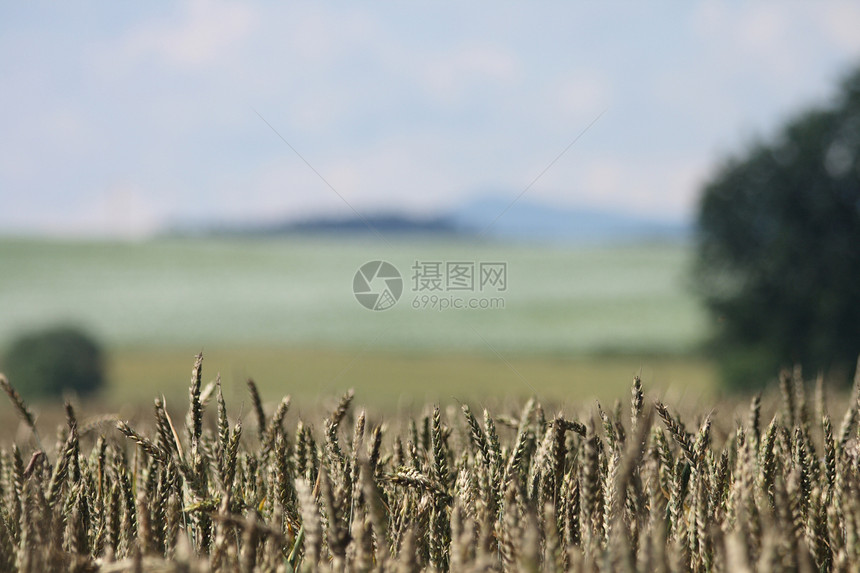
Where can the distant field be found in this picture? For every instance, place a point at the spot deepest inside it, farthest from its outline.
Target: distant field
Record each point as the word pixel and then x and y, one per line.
pixel 283 311
pixel 219 292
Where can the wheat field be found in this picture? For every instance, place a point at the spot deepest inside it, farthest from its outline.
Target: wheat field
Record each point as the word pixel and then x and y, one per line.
pixel 769 486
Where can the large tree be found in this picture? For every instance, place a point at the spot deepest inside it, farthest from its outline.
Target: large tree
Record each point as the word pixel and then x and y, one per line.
pixel 778 246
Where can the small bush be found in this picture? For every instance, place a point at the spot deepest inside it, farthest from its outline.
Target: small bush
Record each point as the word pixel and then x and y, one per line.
pixel 48 362
pixel 745 368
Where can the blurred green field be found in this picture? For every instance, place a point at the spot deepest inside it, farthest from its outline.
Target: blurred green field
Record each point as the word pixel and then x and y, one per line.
pixel 299 291
pixel 576 321
pixel 392 379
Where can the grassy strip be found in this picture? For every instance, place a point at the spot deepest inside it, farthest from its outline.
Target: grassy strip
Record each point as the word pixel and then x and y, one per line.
pixel 388 379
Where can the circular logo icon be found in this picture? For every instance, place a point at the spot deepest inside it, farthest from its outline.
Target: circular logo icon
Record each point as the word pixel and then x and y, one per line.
pixel 377 285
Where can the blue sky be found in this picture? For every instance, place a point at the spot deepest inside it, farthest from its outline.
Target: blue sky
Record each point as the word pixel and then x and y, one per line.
pixel 119 118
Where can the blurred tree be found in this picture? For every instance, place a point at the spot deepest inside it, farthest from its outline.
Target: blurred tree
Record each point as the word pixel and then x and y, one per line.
pixel 778 247
pixel 48 362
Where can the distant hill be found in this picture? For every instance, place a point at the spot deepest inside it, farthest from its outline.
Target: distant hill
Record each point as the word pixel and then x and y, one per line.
pixel 384 223
pixel 531 220
pixel 492 216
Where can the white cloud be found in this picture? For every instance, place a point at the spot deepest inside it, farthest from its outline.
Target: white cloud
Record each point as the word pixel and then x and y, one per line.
pixel 452 76
pixel 785 42
pixel 124 210
pixel 205 34
pixel 582 94
pixel 657 185
pixel 841 22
